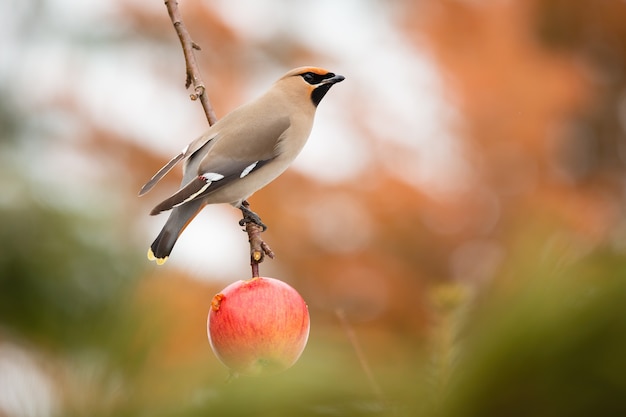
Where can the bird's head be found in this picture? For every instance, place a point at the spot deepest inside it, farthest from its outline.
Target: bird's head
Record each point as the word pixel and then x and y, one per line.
pixel 312 82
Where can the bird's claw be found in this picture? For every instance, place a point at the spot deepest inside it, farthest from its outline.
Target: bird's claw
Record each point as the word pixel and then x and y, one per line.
pixel 251 217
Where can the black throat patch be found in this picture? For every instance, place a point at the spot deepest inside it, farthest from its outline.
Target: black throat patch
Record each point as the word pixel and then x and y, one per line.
pixel 318 94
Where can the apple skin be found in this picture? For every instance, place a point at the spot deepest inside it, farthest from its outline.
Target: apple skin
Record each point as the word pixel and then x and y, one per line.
pixel 258 326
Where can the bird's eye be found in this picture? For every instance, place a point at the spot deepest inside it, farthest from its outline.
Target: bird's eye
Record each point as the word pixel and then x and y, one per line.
pixel 309 77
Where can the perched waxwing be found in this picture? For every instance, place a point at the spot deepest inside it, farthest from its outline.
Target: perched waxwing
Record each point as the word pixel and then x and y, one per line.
pixel 241 153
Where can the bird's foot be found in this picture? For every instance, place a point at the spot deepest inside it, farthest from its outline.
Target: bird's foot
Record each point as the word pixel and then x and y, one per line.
pixel 250 217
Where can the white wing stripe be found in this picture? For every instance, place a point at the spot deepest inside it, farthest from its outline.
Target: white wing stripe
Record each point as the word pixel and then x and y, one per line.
pixel 211 176
pixel 247 170
pixel 194 195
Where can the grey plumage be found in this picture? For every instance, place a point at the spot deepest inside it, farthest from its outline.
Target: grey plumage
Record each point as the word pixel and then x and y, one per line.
pixel 241 153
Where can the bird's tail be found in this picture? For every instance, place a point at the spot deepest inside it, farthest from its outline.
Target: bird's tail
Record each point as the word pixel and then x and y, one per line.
pixel 177 222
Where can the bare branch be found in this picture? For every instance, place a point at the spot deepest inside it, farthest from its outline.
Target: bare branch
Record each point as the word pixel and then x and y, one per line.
pixel 192 71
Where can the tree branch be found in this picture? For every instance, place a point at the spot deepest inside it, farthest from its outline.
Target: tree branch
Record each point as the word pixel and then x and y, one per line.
pixel 192 70
pixel 258 248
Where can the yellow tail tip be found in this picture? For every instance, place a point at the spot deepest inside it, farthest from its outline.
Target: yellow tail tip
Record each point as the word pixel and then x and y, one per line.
pixel 151 257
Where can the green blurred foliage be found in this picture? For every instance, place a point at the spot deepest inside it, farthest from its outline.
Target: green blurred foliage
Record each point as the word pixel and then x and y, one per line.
pixel 60 285
pixel 552 347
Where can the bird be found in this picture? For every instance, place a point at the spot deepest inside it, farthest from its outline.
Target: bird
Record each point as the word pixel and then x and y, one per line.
pixel 241 153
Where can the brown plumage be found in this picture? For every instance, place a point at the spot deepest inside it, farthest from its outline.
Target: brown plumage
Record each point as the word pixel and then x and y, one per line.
pixel 241 153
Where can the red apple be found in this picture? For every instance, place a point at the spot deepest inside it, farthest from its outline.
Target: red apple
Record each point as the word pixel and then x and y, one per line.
pixel 259 326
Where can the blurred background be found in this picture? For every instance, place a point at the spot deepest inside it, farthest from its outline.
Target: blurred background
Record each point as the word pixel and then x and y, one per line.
pixel 456 222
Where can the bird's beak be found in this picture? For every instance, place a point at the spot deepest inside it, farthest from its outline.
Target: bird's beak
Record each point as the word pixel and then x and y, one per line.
pixel 334 80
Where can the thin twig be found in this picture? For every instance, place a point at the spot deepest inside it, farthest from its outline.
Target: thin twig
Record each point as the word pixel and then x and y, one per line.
pixel 193 71
pixel 341 315
pixel 258 248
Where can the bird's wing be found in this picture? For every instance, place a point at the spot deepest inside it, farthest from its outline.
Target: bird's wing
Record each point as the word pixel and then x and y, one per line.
pixel 236 154
pixel 185 153
pixel 218 174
